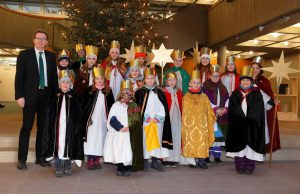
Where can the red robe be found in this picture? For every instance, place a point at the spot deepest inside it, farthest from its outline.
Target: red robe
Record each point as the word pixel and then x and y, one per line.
pixel 169 98
pixel 265 85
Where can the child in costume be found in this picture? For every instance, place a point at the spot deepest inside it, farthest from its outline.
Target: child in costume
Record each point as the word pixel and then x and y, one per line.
pixel 198 120
pixel 64 63
pixel 85 74
pixel 174 100
pixel 231 79
pixel 183 77
pixel 157 134
pixel 96 102
pixel 124 140
pixel 115 69
pixel 204 66
pixel 245 140
pixel 81 60
pixel 218 96
pixel 63 140
pixel 134 75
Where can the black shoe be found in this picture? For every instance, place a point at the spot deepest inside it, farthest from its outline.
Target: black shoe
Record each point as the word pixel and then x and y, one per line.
pixel 59 167
pixel 2 106
pixel 193 166
pixel 21 166
pixel 42 163
pixel 207 160
pixel 67 167
pixel 119 173
pixel 146 165
pixel 203 165
pixel 157 165
pixel 240 171
pixel 247 171
pixel 126 173
pixel 166 164
pixel 218 161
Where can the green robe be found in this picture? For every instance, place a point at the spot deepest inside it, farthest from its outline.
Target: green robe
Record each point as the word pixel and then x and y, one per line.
pixel 184 75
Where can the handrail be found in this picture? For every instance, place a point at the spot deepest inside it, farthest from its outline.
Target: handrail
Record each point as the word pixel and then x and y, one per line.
pixel 32 15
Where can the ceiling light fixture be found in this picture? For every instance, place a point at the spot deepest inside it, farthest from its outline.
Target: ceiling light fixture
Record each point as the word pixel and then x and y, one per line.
pixel 275 34
pixel 251 52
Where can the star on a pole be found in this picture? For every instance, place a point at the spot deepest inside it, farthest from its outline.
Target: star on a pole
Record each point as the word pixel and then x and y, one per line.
pixel 280 69
pixel 162 55
pixel 129 53
pixel 196 54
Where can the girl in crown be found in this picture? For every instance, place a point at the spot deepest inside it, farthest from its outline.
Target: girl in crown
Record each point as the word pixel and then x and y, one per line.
pixel 198 125
pixel 115 69
pixel 96 102
pixel 245 140
pixel 156 121
pixel 124 140
pixel 81 60
pixel 63 140
pixel 204 66
pixel 264 85
pixel 183 77
pixel 174 99
pixel 231 79
pixel 134 75
pixel 85 75
pixel 218 96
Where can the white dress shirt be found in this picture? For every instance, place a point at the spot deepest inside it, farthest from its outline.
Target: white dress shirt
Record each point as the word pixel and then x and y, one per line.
pixel 45 64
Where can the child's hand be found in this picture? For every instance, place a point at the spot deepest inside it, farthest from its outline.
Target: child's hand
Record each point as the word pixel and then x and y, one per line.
pixel 124 129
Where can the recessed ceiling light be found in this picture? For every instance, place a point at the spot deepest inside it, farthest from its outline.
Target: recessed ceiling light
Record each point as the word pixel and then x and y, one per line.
pixel 227 51
pixel 285 43
pixel 17 49
pixel 275 34
pixel 255 41
pixel 251 52
pixel 238 56
pixel 296 25
pixel 0 51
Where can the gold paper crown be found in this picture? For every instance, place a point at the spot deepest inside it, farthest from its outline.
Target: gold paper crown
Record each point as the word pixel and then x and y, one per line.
pixel 258 60
pixel 114 44
pixel 247 71
pixel 91 50
pixel 231 59
pixel 63 53
pixel 67 73
pixel 172 75
pixel 126 84
pixel 79 47
pixel 149 71
pixel 140 49
pixel 214 68
pixel 178 54
pixel 135 63
pixel 98 72
pixel 195 74
pixel 205 51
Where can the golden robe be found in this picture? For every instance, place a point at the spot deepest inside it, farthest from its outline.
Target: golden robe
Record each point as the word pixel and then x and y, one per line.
pixel 198 120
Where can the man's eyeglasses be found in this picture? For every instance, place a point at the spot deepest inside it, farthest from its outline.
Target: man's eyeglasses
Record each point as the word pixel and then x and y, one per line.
pixel 42 39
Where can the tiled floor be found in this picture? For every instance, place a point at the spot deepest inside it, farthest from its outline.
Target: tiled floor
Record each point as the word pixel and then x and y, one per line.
pixel 281 178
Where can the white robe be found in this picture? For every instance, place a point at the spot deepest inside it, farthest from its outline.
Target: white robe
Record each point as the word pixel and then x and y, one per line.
pixel 228 81
pixel 97 131
pixel 154 107
pixel 115 81
pixel 62 131
pixel 175 118
pixel 117 147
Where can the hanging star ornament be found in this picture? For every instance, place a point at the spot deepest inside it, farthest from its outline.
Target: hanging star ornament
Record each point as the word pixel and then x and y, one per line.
pixel 196 54
pixel 129 53
pixel 280 69
pixel 162 55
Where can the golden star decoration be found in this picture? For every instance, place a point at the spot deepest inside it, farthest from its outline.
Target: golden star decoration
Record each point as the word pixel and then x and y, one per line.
pixel 129 53
pixel 280 69
pixel 150 56
pixel 162 55
pixel 196 54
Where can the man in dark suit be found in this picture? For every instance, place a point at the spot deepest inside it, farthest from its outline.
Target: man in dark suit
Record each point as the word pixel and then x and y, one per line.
pixel 35 81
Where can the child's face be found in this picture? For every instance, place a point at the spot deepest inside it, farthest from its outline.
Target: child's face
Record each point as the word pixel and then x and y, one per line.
pixel 195 84
pixel 63 63
pixel 171 81
pixel 91 60
pixel 150 80
pixel 256 70
pixel 205 61
pixel 99 80
pixel 114 53
pixel 65 86
pixel 178 62
pixel 126 95
pixel 230 67
pixel 246 82
pixel 81 53
pixel 134 72
pixel 141 60
pixel 215 77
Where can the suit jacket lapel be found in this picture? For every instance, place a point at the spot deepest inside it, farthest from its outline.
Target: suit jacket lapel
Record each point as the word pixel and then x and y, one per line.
pixel 35 62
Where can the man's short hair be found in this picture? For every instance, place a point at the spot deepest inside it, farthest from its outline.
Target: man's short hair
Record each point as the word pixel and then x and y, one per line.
pixel 40 31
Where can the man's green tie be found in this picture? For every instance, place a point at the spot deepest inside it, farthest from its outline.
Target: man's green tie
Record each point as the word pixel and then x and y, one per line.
pixel 41 69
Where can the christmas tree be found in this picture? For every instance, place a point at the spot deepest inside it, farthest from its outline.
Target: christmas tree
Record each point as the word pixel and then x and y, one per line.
pixel 98 22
